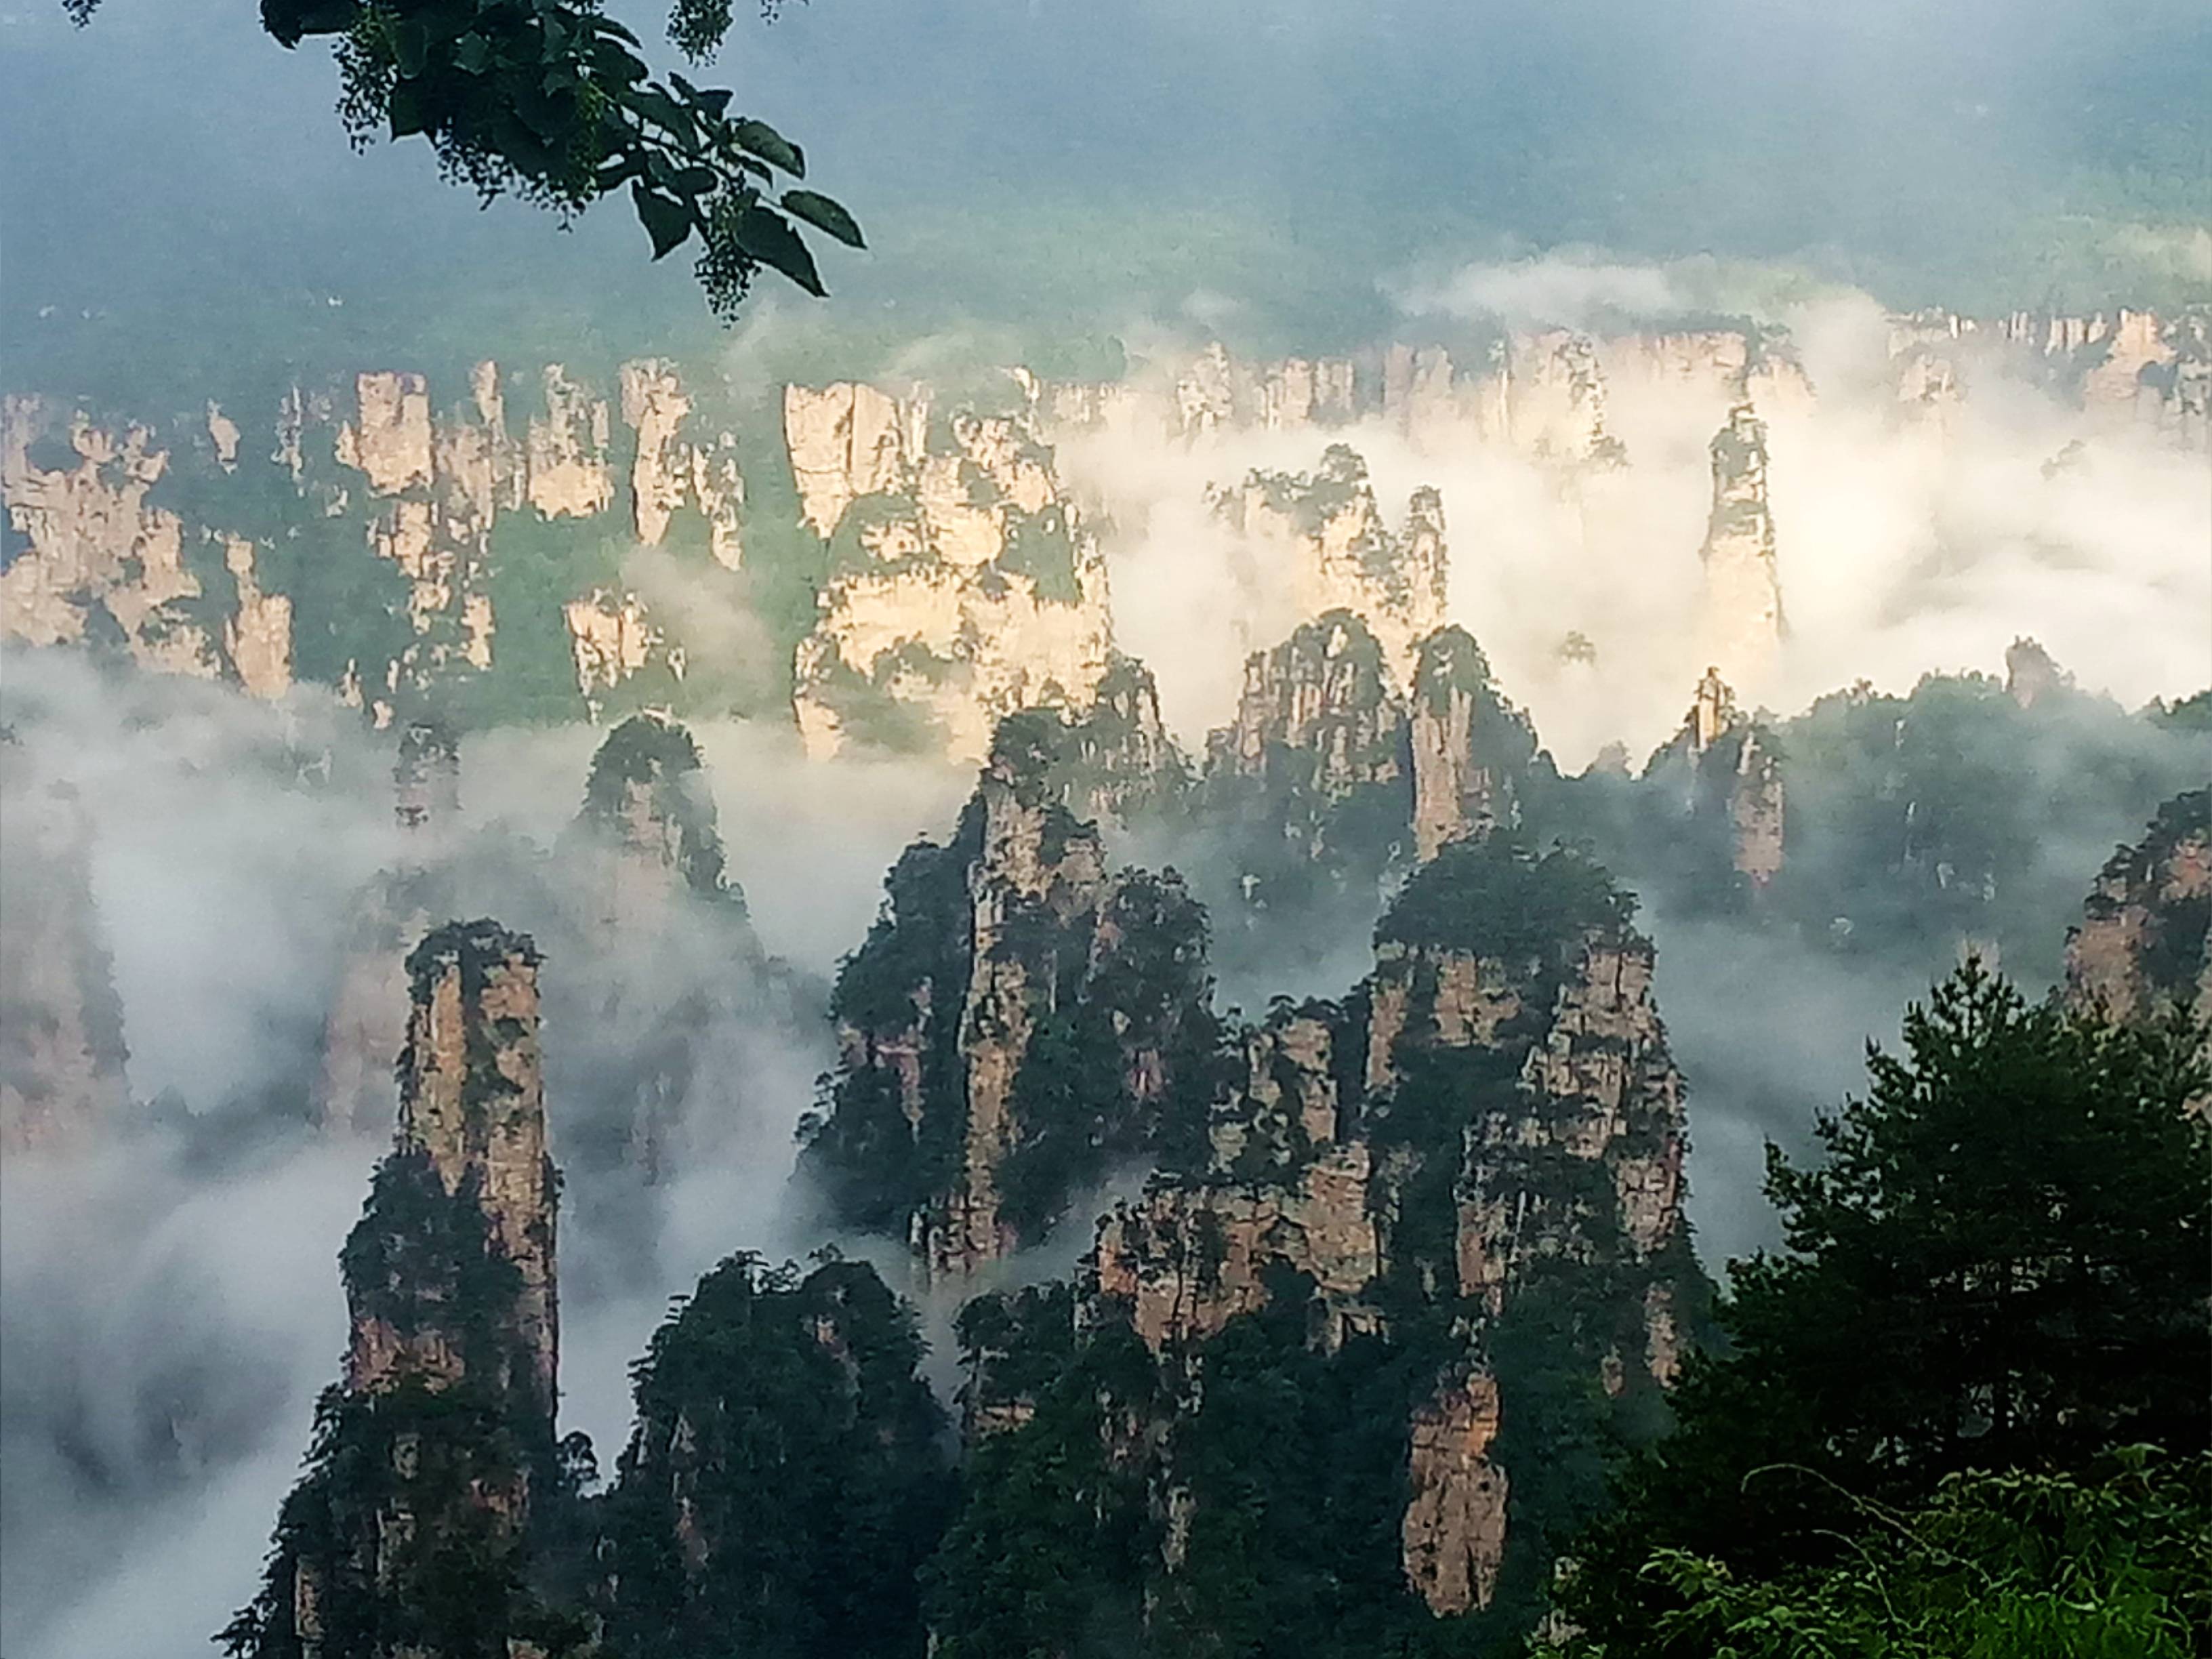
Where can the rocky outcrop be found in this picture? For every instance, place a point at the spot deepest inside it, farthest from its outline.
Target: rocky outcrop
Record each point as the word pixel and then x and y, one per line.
pixel 1492 1123
pixel 1724 770
pixel 472 1116
pixel 675 469
pixel 1018 1018
pixel 2141 944
pixel 1329 781
pixel 649 809
pixel 1325 529
pixel 1117 760
pixel 98 561
pixel 359 551
pixel 2030 676
pixel 963 586
pixel 675 966
pixel 2151 368
pixel 1185 1261
pixel 1319 746
pixel 1743 603
pixel 408 1536
pixel 1547 395
pixel 1455 1526
pixel 1471 749
pixel 62 1054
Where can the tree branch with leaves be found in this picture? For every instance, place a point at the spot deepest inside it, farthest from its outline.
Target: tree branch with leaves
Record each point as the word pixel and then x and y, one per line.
pixel 552 101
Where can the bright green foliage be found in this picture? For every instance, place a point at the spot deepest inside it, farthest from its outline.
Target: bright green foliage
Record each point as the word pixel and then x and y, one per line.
pixel 2001 1265
pixel 551 100
pixel 785 1480
pixel 1992 1566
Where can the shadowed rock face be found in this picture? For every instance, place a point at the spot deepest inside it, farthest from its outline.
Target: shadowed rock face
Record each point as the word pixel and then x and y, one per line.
pixel 649 810
pixel 472 1114
pixel 2142 941
pixel 1471 748
pixel 1725 766
pixel 1019 1018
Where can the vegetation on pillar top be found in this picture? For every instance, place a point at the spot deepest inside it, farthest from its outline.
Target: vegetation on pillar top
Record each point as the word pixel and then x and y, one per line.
pixel 1497 897
pixel 475 947
pixel 660 755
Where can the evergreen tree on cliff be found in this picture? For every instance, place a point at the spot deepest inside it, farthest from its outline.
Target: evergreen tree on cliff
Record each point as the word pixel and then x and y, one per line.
pixel 2001 1265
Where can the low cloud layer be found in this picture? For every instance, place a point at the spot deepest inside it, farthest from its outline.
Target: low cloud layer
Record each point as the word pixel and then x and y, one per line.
pixel 1909 540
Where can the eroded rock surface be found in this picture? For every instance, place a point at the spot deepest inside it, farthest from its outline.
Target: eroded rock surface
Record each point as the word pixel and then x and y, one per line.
pixel 964 585
pixel 2141 944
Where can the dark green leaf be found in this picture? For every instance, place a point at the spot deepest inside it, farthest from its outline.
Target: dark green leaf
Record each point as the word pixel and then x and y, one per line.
pixel 666 221
pixel 765 142
pixel 766 235
pixel 715 100
pixel 608 26
pixel 657 106
pixel 410 45
pixel 824 215
pixel 408 114
pixel 694 182
pixel 612 175
pixel 471 53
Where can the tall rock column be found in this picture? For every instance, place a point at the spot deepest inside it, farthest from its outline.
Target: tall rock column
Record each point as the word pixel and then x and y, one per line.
pixel 1329 533
pixel 1727 765
pixel 1471 748
pixel 472 1112
pixel 1019 1017
pixel 1743 621
pixel 409 1535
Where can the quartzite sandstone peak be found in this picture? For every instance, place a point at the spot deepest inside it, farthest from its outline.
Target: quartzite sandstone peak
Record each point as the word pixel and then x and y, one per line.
pixel 1743 625
pixel 964 585
pixel 406 1538
pixel 2142 941
pixel 1491 1124
pixel 1726 765
pixel 1327 532
pixel 1020 1017
pixel 357 533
